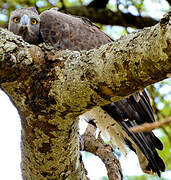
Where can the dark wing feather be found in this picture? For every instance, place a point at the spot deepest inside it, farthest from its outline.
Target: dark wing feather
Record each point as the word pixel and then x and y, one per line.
pixel 142 104
pixel 145 112
pixel 69 32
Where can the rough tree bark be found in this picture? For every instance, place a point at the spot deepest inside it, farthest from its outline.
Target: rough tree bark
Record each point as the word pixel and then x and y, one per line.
pixel 51 88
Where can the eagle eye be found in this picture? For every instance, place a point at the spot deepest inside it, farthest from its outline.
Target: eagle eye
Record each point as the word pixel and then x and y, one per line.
pixel 16 20
pixel 34 21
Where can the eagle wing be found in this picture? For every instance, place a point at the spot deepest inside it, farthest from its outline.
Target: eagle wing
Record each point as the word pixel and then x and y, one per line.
pixel 134 111
pixel 70 32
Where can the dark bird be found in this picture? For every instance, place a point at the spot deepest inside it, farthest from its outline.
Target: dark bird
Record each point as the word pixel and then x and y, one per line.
pixel 114 120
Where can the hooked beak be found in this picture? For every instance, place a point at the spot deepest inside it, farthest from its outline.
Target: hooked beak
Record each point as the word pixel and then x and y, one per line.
pixel 25 20
pixel 24 25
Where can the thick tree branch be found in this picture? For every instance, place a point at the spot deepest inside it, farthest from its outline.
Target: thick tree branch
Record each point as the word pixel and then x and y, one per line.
pixel 52 88
pixel 117 69
pixel 107 17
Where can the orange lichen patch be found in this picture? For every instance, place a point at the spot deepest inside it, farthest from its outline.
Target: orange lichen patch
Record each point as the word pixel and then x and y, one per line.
pixel 168 75
pixel 107 91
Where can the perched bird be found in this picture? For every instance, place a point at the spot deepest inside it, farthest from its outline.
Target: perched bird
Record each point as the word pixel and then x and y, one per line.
pixel 114 120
